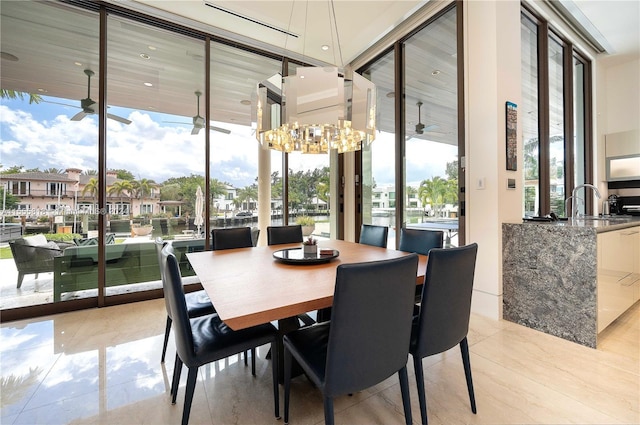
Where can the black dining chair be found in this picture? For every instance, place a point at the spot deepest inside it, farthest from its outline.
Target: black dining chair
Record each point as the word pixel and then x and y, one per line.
pixel 206 339
pixel 443 320
pixel 374 235
pixel 421 242
pixel 234 237
pixel 359 347
pixel 277 235
pixel 198 302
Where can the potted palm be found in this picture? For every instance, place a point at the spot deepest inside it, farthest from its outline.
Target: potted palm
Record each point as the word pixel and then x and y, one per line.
pixel 308 224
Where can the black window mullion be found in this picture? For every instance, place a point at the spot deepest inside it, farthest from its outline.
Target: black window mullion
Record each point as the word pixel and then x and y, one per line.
pixel 543 118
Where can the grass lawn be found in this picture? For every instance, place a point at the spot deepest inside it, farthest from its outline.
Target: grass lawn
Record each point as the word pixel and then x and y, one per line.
pixel 5 252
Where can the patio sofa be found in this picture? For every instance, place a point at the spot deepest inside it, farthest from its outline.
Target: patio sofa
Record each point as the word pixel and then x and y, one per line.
pixel 127 263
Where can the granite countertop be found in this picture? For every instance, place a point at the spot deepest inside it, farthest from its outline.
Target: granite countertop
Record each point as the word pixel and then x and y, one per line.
pixel 599 223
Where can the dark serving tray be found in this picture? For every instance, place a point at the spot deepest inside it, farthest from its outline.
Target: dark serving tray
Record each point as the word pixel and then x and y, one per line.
pixel 297 256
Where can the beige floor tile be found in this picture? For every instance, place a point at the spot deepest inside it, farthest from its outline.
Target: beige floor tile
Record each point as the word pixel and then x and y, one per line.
pixel 102 366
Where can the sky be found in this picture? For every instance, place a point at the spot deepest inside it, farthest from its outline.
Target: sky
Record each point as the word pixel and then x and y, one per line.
pixel 154 147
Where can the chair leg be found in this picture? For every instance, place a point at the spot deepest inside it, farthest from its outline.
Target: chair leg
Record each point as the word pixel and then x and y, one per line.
pixel 274 377
pixel 246 358
pixel 253 361
pixel 406 400
pixel 464 350
pixel 167 330
pixel 188 397
pixel 20 278
pixel 328 411
pixel 422 398
pixel 287 378
pixel 175 382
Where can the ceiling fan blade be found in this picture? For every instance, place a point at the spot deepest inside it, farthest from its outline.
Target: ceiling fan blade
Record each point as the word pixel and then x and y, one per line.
pixel 220 129
pixel 195 130
pixel 60 103
pixel 431 127
pixel 119 119
pixel 79 116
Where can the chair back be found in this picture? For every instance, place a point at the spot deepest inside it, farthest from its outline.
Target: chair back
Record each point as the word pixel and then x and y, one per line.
pixel 174 292
pixel 446 299
pixel 160 244
pixel 420 241
pixel 277 235
pixel 235 237
pixel 364 346
pixel 374 235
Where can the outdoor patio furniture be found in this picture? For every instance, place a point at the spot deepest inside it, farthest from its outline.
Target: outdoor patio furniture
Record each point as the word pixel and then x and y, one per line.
pixel 33 255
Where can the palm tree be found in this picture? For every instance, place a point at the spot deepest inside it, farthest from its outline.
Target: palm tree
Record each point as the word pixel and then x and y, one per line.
pixel 13 94
pixel 92 188
pixel 118 188
pixel 142 187
pixel 433 191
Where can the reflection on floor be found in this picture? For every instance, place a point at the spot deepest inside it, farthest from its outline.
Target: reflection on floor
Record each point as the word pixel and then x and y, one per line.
pixel 102 366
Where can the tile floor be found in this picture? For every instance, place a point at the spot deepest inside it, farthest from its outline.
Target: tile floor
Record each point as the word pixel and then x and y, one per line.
pixel 102 366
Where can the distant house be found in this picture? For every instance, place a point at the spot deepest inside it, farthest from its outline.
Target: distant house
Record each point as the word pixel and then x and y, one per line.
pixel 43 193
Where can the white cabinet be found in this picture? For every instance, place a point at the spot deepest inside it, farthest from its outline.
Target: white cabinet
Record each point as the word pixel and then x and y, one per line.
pixel 618 273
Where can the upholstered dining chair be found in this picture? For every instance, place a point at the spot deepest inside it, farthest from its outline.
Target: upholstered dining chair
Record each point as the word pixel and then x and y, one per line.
pixel 198 303
pixel 277 235
pixel 374 235
pixel 206 339
pixel 421 242
pixel 443 321
pixel 234 237
pixel 359 347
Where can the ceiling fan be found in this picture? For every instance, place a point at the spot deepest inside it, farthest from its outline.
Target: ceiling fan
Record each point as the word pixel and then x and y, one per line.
pixel 198 120
pixel 421 128
pixel 87 104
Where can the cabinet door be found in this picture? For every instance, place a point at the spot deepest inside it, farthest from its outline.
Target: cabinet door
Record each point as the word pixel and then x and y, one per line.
pixel 618 273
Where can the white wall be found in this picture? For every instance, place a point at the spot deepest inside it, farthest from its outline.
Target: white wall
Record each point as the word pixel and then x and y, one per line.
pixel 492 75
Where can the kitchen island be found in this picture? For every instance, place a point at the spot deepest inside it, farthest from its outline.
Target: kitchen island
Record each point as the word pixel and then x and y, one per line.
pixel 570 278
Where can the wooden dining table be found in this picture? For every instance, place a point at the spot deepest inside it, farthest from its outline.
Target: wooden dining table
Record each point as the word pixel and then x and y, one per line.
pixel 248 286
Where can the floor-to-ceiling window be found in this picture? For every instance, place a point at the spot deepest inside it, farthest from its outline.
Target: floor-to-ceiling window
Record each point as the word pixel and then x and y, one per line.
pixel 556 119
pixel 378 159
pixel 49 141
pixel 429 105
pixel 431 133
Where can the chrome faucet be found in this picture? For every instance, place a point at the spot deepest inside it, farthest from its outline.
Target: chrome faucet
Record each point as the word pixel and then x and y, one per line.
pixel 566 204
pixel 574 203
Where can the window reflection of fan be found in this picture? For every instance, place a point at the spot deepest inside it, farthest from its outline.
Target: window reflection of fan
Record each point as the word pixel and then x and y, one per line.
pixel 88 104
pixel 198 120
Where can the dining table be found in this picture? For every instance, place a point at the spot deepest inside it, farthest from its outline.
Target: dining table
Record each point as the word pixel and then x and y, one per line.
pixel 249 286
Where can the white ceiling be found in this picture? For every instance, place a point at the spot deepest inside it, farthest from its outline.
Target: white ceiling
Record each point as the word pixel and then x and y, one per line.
pixel 361 23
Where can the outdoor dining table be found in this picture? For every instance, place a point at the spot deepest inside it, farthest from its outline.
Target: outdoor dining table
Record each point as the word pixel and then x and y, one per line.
pixel 248 286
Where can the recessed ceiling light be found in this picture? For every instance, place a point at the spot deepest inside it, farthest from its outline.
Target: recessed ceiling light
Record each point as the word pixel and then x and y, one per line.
pixel 9 57
pixel 145 56
pixel 77 63
pixel 435 72
pixel 148 84
pixel 151 47
pixel 41 90
pixel 325 47
pixel 245 102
